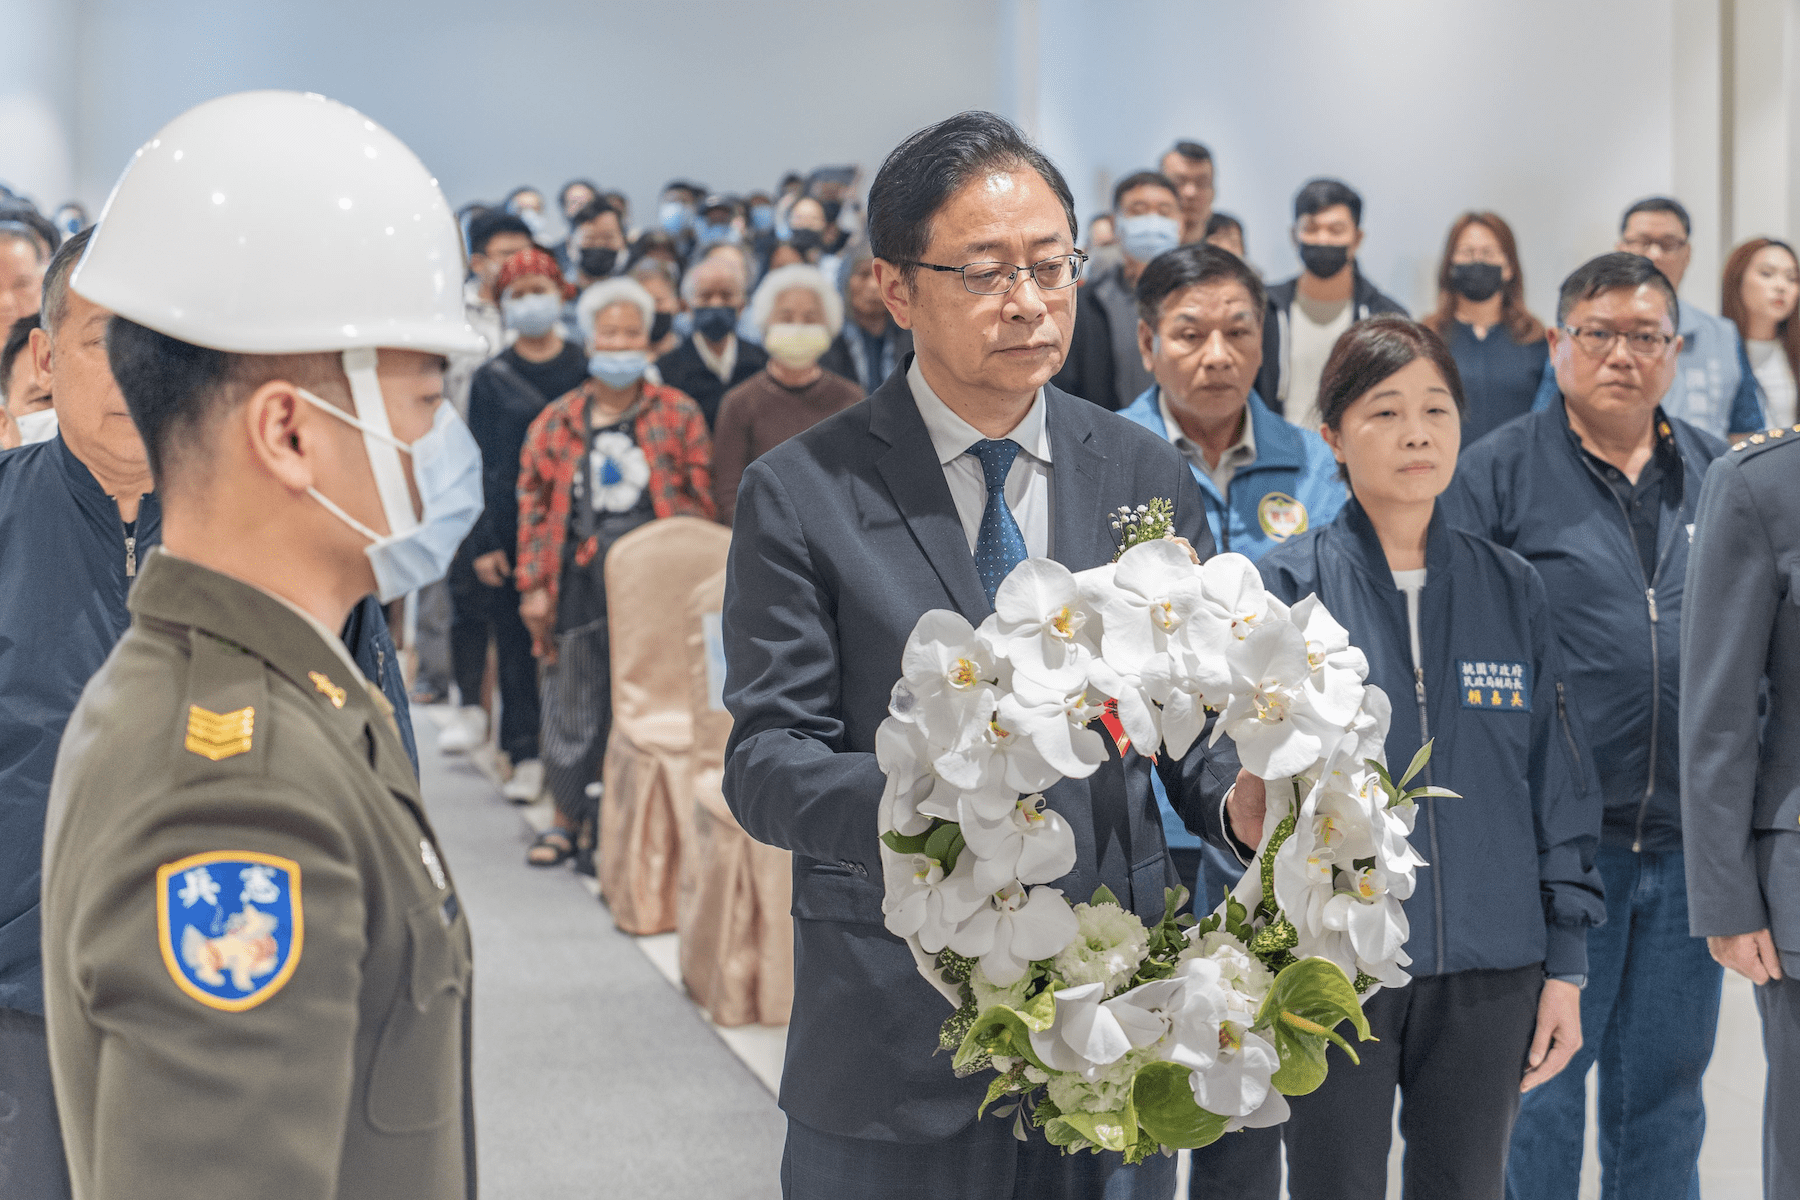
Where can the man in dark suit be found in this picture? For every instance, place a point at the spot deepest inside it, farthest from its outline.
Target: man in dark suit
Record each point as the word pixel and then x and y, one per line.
pixel 963 463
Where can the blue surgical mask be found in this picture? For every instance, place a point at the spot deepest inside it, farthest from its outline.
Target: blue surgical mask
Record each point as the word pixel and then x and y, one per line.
pixel 674 216
pixel 708 234
pixel 446 471
pixel 533 315
pixel 1147 235
pixel 762 218
pixel 618 369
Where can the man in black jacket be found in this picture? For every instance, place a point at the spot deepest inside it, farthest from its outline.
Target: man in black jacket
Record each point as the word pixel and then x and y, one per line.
pixel 1308 312
pixel 712 360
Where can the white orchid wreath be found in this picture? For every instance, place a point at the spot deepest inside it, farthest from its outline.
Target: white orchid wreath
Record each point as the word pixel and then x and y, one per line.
pixel 1103 1032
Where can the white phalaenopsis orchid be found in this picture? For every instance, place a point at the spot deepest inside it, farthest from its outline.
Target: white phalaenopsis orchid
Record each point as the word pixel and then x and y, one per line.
pixel 1029 843
pixel 1040 624
pixel 1014 929
pixel 922 902
pixel 1080 1000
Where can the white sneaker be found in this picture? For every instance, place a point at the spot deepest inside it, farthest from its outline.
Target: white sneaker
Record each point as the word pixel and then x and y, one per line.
pixel 467 730
pixel 527 782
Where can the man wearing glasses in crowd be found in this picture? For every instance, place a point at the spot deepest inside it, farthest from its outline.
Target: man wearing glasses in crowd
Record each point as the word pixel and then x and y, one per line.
pixel 1713 386
pixel 965 462
pixel 1599 492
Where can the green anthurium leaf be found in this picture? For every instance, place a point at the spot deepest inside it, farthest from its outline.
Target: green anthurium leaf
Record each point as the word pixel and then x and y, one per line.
pixel 1039 1012
pixel 1059 1132
pixel 938 841
pixel 1104 895
pixel 1109 1131
pixel 1301 1014
pixel 900 843
pixel 1007 1031
pixel 1164 1099
pixel 1418 764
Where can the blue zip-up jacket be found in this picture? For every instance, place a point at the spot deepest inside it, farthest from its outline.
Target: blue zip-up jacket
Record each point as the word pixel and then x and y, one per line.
pixel 1529 487
pixel 65 567
pixel 1510 879
pixel 1292 486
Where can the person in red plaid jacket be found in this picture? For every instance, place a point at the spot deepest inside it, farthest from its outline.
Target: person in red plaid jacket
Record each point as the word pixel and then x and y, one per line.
pixel 615 453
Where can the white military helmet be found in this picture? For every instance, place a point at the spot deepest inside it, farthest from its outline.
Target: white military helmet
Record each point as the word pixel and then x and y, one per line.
pixel 281 223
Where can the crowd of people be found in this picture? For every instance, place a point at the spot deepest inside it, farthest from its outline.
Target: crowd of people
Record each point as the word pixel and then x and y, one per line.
pixel 636 372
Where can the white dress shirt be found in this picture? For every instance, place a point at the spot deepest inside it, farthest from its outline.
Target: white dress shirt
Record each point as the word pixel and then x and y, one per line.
pixel 1239 454
pixel 1027 484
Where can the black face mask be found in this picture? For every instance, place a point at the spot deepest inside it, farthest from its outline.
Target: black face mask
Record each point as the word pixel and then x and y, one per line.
pixel 806 240
pixel 597 262
pixel 660 326
pixel 1475 281
pixel 832 209
pixel 714 322
pixel 1323 262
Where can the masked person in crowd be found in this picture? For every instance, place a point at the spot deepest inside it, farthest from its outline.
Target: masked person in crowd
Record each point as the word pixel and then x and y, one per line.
pixel 1507 893
pixel 712 358
pixel 1227 233
pixel 1714 386
pixel 759 225
pixel 717 225
pixel 798 314
pixel 596 247
pixel 870 345
pixel 22 260
pixel 659 247
pixel 599 462
pixel 675 214
pixel 1104 364
pixel 1598 492
pixel 812 234
pixel 1498 345
pixel 1760 292
pixel 1189 166
pixel 658 278
pixel 1309 312
pixel 234 780
pixel 961 465
pixel 576 195
pixel 527 204
pixel 26 398
pixel 506 395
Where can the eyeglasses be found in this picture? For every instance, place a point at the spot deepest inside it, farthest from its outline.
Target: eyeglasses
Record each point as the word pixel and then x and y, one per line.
pixel 1599 342
pixel 998 278
pixel 1645 246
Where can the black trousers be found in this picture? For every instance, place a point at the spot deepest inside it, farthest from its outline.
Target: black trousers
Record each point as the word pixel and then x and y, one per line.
pixel 1455 1047
pixel 1779 1003
pixel 982 1162
pixel 478 611
pixel 31 1149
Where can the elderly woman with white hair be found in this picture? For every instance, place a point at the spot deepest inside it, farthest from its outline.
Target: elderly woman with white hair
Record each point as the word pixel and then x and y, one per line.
pixel 798 313
pixel 617 452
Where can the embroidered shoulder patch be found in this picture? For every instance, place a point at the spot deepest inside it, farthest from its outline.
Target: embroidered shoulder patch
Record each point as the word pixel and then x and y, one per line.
pixel 219 735
pixel 1491 685
pixel 1281 516
pixel 229 925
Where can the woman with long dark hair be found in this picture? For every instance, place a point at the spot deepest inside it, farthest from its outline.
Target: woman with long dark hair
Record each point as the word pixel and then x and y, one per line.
pixel 1498 345
pixel 1760 291
pixel 1458 634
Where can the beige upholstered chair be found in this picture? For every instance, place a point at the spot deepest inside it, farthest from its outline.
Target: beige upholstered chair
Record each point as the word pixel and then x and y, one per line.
pixel 646 812
pixel 737 939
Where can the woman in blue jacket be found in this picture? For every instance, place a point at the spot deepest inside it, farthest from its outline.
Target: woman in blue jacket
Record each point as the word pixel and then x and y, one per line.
pixel 1457 631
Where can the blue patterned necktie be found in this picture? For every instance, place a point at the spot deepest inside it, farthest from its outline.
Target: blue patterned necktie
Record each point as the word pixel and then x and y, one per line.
pixel 1000 546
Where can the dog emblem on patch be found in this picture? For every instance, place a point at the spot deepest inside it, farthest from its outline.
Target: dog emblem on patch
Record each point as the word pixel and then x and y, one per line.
pixel 229 925
pixel 1281 516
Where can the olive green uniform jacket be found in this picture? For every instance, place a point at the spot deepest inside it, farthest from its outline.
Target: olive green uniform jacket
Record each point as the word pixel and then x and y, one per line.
pixel 319 1046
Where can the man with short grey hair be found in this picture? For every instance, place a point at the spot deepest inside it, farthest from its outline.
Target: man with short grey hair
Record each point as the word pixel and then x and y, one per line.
pixel 712 360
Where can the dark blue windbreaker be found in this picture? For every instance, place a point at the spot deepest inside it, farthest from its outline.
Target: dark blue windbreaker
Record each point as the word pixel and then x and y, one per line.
pixel 1511 878
pixel 65 568
pixel 1529 487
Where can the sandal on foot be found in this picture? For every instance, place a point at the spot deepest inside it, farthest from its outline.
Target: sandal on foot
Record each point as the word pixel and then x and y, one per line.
pixel 559 842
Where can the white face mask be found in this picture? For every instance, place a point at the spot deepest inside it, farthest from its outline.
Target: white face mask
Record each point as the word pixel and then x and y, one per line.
pixel 39 426
pixel 446 469
pixel 796 346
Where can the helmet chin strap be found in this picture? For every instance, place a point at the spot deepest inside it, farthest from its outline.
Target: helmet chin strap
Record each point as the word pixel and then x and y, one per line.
pixel 379 441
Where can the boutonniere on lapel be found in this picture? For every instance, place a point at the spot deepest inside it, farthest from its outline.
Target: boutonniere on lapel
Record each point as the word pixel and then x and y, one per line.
pixel 1100 1030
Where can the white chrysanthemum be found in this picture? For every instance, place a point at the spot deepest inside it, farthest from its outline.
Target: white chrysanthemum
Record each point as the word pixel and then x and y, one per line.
pixel 1108 949
pixel 987 993
pixel 1239 970
pixel 1104 1091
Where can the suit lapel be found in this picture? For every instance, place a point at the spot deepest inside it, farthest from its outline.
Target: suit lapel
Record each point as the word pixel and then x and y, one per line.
pixel 915 479
pixel 1078 527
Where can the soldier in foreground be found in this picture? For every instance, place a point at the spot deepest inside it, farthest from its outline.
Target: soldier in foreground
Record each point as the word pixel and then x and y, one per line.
pixel 257 971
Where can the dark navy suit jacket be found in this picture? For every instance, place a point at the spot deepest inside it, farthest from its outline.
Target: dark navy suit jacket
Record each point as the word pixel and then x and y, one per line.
pixel 844 537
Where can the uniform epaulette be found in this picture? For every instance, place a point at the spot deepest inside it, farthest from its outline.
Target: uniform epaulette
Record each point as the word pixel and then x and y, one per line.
pixel 1771 437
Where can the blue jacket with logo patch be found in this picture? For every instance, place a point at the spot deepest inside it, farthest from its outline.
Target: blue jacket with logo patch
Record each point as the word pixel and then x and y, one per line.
pixel 1292 486
pixel 1511 878
pixel 1529 487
